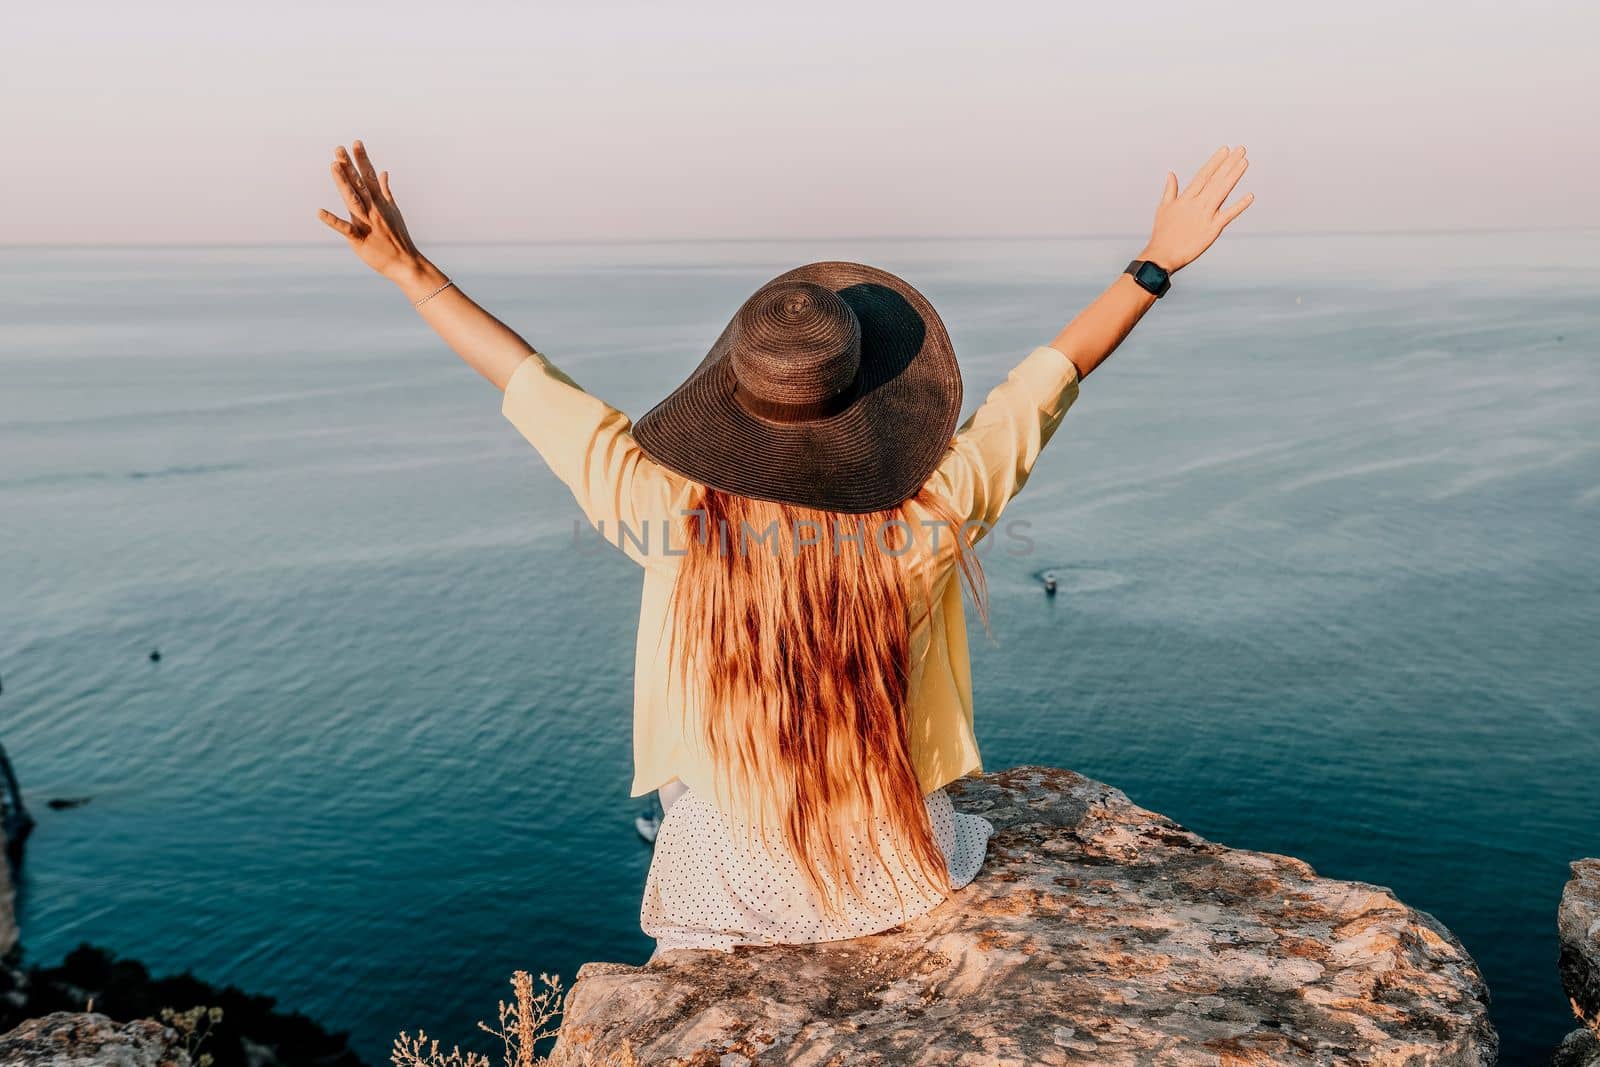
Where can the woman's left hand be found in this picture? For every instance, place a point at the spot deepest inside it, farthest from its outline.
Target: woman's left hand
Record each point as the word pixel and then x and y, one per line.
pixel 375 230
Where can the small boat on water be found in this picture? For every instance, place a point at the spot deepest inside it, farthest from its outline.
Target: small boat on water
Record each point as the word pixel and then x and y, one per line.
pixel 648 823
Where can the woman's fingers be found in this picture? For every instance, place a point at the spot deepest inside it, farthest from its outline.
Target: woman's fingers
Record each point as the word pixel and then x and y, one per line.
pixel 1169 192
pixel 335 223
pixel 374 228
pixel 350 180
pixel 368 172
pixel 1221 185
pixel 352 198
pixel 1235 210
pixel 353 177
pixel 1204 174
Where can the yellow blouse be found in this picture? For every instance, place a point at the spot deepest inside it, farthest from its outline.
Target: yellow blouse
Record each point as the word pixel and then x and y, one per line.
pixel 633 501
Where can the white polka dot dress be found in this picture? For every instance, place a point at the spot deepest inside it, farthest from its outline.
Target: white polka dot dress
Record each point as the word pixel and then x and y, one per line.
pixel 713 886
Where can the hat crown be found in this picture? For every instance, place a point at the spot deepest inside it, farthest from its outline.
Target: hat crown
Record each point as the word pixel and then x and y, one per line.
pixel 795 343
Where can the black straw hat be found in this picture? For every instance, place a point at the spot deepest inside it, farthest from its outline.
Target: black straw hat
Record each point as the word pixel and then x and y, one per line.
pixel 834 387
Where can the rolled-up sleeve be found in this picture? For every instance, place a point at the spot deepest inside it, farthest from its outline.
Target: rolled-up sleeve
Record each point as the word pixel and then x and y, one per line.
pixel 589 445
pixel 995 450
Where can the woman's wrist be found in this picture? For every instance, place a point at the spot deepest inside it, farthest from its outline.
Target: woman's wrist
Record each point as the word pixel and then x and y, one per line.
pixel 416 277
pixel 1166 260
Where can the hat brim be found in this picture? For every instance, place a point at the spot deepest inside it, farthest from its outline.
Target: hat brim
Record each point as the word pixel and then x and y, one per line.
pixel 874 454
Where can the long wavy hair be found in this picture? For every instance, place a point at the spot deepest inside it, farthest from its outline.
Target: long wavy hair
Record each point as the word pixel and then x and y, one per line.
pixel 793 632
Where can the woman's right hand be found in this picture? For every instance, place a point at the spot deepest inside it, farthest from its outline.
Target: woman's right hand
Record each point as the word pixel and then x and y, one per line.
pixel 1188 222
pixel 375 230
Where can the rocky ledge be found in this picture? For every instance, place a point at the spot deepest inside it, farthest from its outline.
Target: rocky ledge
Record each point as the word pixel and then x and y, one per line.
pixel 1579 925
pixel 88 1040
pixel 1097 933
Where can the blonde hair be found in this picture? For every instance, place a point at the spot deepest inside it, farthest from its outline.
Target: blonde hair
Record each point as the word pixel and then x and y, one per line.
pixel 793 628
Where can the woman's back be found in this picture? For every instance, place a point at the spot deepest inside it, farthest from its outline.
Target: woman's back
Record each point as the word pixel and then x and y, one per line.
pixel 646 510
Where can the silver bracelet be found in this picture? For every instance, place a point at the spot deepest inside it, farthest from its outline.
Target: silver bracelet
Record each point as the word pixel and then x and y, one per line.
pixel 433 294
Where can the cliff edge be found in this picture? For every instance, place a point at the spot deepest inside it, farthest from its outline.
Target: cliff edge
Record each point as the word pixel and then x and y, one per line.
pixel 1578 922
pixel 1097 933
pixel 68 1039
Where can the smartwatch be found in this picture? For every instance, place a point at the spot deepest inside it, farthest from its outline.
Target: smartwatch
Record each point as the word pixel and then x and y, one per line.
pixel 1151 278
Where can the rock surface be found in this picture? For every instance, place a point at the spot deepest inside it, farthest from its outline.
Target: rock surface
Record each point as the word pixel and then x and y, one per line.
pixel 87 1040
pixel 1580 1049
pixel 1097 933
pixel 1578 924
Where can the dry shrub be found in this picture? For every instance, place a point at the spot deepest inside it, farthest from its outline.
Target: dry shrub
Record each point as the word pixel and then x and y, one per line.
pixel 529 1018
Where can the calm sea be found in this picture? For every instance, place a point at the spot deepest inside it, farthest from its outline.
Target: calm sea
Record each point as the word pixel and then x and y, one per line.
pixel 1326 531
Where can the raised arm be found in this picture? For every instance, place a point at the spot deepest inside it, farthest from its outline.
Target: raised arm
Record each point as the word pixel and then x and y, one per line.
pixel 587 443
pixel 377 233
pixel 1186 224
pixel 995 450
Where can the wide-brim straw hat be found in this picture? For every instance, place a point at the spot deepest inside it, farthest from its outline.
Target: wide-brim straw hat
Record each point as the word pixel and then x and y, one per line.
pixel 835 387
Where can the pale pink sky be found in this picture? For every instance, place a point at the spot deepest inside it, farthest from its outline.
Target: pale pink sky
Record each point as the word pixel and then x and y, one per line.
pixel 196 121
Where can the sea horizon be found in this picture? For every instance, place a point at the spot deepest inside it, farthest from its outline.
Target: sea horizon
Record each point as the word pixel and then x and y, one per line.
pixel 1131 235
